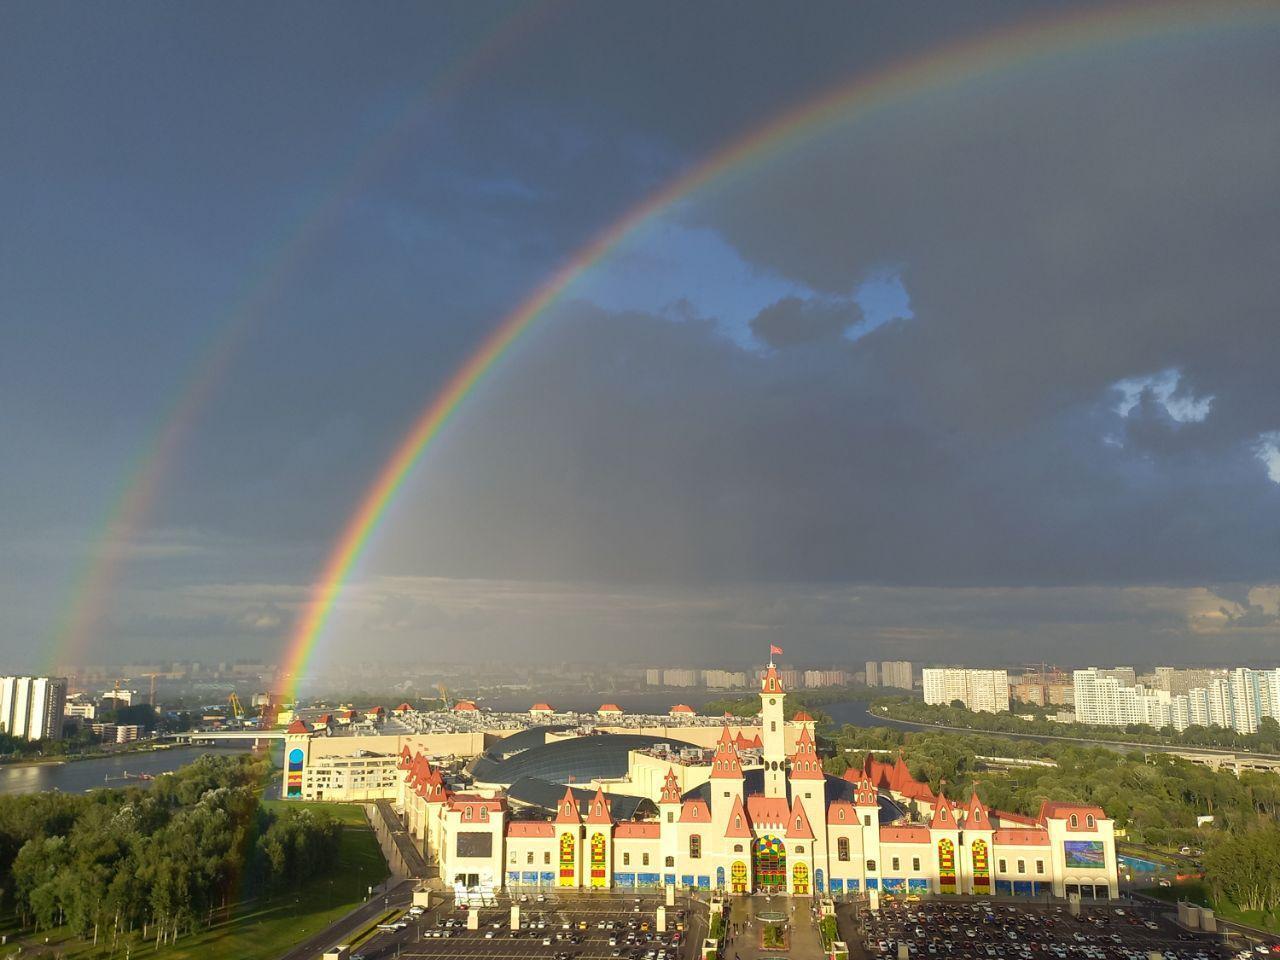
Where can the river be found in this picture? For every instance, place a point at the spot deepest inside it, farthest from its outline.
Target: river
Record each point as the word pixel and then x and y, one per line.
pixel 81 776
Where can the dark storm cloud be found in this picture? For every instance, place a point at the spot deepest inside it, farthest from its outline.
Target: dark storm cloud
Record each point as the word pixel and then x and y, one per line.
pixel 1089 221
pixel 793 320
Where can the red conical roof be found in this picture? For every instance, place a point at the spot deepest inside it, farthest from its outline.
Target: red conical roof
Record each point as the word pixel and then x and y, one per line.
pixel 567 812
pixel 725 764
pixel 598 811
pixel 798 822
pixel 770 683
pixel 805 764
pixel 670 788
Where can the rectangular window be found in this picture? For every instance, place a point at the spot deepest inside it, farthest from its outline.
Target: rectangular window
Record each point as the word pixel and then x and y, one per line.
pixel 529 857
pixel 644 859
pixel 915 863
pixel 866 820
pixel 546 856
pixel 1039 866
pixel 671 817
pixel 1022 866
pixel 626 859
pixel 1003 867
pixel 842 848
pixel 895 863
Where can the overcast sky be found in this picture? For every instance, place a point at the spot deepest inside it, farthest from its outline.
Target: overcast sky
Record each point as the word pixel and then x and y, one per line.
pixel 991 375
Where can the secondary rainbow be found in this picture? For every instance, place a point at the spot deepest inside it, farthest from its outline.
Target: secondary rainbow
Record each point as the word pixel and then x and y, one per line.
pixel 968 60
pixel 92 588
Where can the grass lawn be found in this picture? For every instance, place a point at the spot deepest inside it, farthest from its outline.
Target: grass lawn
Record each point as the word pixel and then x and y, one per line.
pixel 265 928
pixel 1197 891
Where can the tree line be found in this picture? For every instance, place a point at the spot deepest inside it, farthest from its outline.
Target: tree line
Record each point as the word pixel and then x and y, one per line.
pixel 1266 740
pixel 162 861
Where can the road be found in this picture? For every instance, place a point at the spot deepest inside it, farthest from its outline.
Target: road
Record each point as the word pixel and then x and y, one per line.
pixel 341 931
pixel 410 855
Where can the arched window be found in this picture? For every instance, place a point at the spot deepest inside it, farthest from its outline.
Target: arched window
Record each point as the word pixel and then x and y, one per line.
pixel 737 848
pixel 1075 821
pixel 466 813
pixel 1089 821
pixel 842 848
pixel 695 847
pixel 484 813
pixel 841 814
pixel 737 821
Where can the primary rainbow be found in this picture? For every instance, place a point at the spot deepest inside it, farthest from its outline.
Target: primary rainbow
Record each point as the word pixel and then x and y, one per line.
pixel 92 587
pixel 967 60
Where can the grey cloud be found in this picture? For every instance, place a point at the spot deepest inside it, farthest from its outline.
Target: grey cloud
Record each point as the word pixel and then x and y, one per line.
pixel 793 320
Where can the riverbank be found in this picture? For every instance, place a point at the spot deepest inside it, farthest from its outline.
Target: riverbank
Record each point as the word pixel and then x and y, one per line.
pixel 144 747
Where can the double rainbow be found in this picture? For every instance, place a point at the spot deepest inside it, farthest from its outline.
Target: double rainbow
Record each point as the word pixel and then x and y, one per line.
pixel 969 60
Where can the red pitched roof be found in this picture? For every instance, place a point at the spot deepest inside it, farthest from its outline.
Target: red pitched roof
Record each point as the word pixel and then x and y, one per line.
pixel 670 788
pixel 944 817
pixel 635 830
pixel 541 708
pixel 567 812
pixel 998 817
pixel 610 708
pixel 695 811
pixel 1031 837
pixel 682 708
pixel 798 822
pixel 298 726
pixel 465 705
pixel 976 816
pixel 531 828
pixel 1057 810
pixel 767 810
pixel 770 683
pixel 598 810
pixel 403 708
pixel 838 807
pixel 802 717
pixel 905 834
pixel 742 743
pixel 739 825
pixel 805 764
pixel 725 765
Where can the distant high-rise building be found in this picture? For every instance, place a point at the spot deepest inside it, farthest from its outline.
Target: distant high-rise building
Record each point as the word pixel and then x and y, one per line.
pixel 31 708
pixel 680 678
pixel 653 677
pixel 1237 699
pixel 896 673
pixel 724 679
pixel 985 691
pixel 873 673
pixel 825 678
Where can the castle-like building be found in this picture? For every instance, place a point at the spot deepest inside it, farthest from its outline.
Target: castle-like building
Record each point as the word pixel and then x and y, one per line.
pixel 781 825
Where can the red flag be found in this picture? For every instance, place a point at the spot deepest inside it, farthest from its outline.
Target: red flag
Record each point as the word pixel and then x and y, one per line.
pixel 773 650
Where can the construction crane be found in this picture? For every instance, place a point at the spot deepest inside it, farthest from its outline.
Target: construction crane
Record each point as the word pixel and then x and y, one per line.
pixel 237 711
pixel 444 696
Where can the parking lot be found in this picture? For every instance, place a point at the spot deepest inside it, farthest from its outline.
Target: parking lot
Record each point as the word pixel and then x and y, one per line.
pixel 587 926
pixel 1002 931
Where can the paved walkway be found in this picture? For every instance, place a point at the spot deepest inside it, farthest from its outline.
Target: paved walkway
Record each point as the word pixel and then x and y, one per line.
pixel 744 916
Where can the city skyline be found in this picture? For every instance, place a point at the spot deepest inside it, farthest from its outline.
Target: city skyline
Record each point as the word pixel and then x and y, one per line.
pixel 914 337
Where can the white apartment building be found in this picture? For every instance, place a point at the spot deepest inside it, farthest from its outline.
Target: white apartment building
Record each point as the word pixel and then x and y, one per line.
pixel 680 678
pixel 653 677
pixel 873 673
pixel 814 679
pixel 724 679
pixel 31 707
pixel 1238 699
pixel 982 691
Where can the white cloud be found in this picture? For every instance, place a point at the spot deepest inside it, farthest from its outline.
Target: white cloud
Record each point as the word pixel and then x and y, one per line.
pixel 1268 451
pixel 1183 408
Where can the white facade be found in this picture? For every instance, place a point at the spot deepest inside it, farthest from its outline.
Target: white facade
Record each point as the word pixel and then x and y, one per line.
pixel 31 708
pixel 985 691
pixel 1237 699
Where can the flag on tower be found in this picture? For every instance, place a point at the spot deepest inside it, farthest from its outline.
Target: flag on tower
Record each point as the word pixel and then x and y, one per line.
pixel 774 650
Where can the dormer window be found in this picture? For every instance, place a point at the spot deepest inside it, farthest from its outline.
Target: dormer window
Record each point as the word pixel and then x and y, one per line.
pixel 841 815
pixel 737 822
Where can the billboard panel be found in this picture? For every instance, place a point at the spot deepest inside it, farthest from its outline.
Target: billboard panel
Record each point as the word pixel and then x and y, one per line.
pixel 475 844
pixel 1085 853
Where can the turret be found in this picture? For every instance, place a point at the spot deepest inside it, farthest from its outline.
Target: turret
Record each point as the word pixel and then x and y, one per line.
pixel 669 818
pixel 568 825
pixel 599 850
pixel 726 781
pixel 809 791
pixel 773 733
